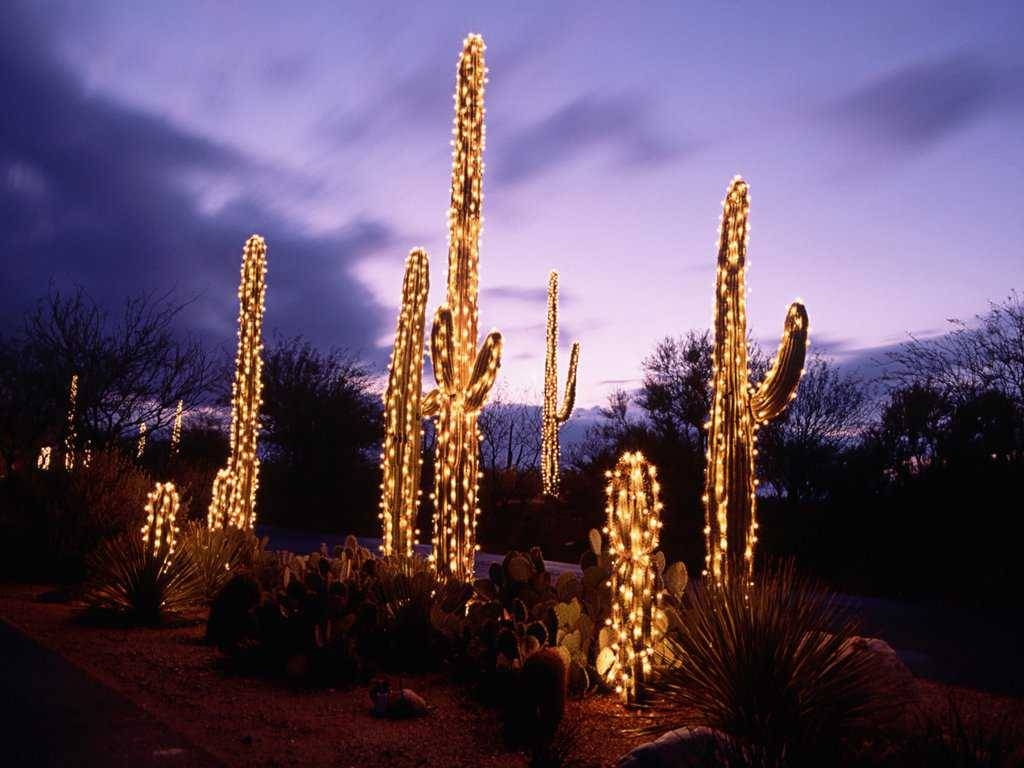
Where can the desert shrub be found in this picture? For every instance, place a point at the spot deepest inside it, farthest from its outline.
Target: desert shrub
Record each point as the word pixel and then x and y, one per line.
pixel 232 621
pixel 128 581
pixel 773 668
pixel 218 554
pixel 52 520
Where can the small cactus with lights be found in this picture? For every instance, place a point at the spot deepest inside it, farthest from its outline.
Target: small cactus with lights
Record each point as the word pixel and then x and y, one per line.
pixel 218 515
pixel 246 390
pixel 140 444
pixel 554 417
pixel 160 531
pixel 70 432
pixel 633 530
pixel 464 377
pixel 403 423
pixel 737 408
pixel 176 429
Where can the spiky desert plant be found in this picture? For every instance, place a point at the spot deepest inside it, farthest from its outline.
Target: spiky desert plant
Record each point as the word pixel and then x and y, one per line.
pixel 774 667
pixel 464 378
pixel 554 417
pixel 176 429
pixel 633 528
pixel 247 388
pixel 737 408
pixel 70 431
pixel 218 553
pixel 403 424
pixel 142 577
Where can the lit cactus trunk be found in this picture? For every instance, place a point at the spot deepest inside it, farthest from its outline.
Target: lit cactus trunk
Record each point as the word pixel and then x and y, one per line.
pixel 553 417
pixel 633 528
pixel 737 408
pixel 247 388
pixel 160 531
pixel 140 445
pixel 403 424
pixel 464 378
pixel 176 429
pixel 70 432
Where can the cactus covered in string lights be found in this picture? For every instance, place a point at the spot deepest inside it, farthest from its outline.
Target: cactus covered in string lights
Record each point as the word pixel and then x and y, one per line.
pixel 737 407
pixel 219 513
pixel 633 530
pixel 140 445
pixel 160 531
pixel 176 429
pixel 70 432
pixel 403 424
pixel 464 377
pixel 238 502
pixel 554 417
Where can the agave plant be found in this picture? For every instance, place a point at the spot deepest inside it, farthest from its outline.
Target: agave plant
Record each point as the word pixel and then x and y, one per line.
pixel 772 668
pixel 218 553
pixel 126 580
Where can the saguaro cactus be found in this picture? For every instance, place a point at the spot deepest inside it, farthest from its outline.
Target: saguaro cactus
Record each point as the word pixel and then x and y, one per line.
pixel 737 408
pixel 70 432
pixel 219 513
pixel 554 417
pixel 246 390
pixel 140 445
pixel 634 525
pixel 464 378
pixel 160 531
pixel 176 429
pixel 403 424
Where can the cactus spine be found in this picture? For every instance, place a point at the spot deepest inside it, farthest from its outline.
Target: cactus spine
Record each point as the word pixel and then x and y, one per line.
pixel 160 530
pixel 239 500
pixel 634 525
pixel 463 377
pixel 554 417
pixel 737 408
pixel 403 424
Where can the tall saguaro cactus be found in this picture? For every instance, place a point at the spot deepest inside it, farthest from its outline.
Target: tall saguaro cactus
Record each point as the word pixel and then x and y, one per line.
pixel 737 408
pixel 554 417
pixel 176 429
pixel 403 424
pixel 238 498
pixel 464 377
pixel 633 528
pixel 70 432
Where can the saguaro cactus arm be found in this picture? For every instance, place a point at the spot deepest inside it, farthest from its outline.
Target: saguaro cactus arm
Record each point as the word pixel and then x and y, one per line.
pixel 484 372
pixel 442 351
pixel 780 384
pixel 569 400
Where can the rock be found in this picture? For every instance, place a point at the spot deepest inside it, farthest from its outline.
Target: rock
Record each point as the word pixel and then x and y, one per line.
pixel 681 748
pixel 887 661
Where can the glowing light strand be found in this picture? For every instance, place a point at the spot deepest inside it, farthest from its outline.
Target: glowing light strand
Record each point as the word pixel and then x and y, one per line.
pixel 140 445
pixel 737 408
pixel 464 378
pixel 234 502
pixel 633 530
pixel 552 416
pixel 403 425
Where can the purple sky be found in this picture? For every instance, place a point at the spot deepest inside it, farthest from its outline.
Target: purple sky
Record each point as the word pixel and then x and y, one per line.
pixel 142 142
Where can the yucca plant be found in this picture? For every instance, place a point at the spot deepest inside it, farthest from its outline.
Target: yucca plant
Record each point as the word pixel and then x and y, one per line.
pixel 218 553
pixel 127 581
pixel 773 668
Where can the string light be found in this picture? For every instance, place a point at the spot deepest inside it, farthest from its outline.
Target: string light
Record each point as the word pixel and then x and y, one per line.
pixel 234 503
pixel 737 408
pixel 403 426
pixel 633 529
pixel 43 460
pixel 70 434
pixel 464 377
pixel 553 417
pixel 176 429
pixel 140 446
pixel 160 531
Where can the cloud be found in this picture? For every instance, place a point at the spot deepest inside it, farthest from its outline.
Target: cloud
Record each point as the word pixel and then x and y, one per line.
pixel 536 295
pixel 618 123
pixel 98 193
pixel 916 105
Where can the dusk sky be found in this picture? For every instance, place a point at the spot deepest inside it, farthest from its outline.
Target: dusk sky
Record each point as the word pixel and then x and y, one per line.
pixel 142 142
